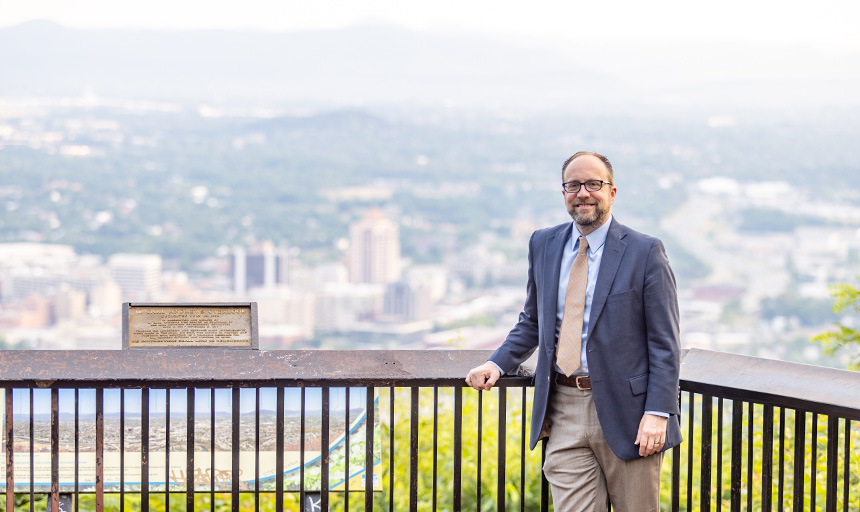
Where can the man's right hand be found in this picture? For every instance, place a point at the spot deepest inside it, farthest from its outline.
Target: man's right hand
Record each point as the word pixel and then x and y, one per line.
pixel 484 377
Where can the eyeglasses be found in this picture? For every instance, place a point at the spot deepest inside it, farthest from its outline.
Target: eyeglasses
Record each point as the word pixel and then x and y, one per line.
pixel 572 187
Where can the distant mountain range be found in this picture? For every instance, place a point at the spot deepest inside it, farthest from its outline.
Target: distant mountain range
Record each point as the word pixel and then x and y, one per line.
pixel 377 64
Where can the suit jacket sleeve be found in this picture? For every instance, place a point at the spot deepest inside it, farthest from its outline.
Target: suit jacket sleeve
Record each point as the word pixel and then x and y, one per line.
pixel 662 331
pixel 523 338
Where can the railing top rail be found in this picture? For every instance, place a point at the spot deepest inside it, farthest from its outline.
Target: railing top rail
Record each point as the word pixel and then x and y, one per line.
pixel 182 367
pixel 781 383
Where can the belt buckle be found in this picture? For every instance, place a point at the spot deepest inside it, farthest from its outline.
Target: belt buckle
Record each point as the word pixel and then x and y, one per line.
pixel 583 378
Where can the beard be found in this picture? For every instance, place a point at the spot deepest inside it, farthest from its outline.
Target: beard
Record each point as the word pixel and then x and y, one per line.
pixel 589 221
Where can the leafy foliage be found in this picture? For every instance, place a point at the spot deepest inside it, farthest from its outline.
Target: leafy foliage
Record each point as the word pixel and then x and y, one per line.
pixel 22 502
pixel 843 337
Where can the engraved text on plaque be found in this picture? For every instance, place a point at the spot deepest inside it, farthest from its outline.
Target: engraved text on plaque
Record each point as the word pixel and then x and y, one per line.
pixel 189 326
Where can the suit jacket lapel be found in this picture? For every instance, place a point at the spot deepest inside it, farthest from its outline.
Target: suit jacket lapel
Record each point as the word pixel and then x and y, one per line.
pixel 552 261
pixel 613 251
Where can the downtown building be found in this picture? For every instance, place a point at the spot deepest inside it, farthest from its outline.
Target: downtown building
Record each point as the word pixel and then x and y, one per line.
pixel 374 250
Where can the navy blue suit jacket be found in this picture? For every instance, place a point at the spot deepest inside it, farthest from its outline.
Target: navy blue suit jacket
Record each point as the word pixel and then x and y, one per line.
pixel 633 349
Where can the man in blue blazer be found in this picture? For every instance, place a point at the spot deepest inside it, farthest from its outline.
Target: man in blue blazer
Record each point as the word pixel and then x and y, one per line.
pixel 611 414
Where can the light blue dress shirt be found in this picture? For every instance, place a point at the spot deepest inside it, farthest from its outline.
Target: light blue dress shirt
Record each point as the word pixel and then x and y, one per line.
pixel 596 240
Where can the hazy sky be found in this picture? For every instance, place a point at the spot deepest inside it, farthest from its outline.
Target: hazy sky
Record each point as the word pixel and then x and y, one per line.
pixel 826 24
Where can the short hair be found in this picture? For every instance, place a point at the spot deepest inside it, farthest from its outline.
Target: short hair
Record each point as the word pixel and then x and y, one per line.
pixel 592 153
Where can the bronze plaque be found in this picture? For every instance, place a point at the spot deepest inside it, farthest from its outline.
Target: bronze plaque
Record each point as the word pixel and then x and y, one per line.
pixel 211 325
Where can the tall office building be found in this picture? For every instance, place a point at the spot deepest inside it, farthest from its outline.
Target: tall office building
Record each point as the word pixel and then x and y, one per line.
pixel 374 249
pixel 261 266
pixel 138 275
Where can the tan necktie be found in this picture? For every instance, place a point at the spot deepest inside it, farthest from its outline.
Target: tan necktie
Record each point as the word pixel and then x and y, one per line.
pixel 570 335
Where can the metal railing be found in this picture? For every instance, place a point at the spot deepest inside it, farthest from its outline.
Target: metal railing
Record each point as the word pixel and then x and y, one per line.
pixel 183 429
pixel 766 435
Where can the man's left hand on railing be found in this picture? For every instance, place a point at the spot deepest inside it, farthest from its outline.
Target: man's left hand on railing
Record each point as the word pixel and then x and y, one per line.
pixel 484 377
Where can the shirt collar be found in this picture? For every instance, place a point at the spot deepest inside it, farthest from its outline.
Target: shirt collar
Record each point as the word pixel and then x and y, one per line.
pixel 596 238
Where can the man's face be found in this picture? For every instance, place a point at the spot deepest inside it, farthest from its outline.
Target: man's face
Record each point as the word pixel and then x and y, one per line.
pixel 589 210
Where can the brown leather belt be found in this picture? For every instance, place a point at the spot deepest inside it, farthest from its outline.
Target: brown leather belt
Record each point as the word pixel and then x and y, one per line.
pixel 575 381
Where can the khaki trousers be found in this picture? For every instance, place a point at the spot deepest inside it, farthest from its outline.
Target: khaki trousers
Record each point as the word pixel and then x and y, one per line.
pixel 584 472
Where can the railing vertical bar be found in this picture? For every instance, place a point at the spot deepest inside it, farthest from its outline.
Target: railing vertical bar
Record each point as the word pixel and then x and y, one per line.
pixel 676 479
pixel 325 452
pixel 212 450
pixel 302 424
pixel 676 472
pixel 279 449
pixel 234 474
pixel 167 449
pixel 32 450
pixel 479 450
pixel 10 450
pixel 122 450
pixel 846 471
pixel 189 449
pixel 433 498
pixel 737 450
pixel 502 440
pixel 144 449
pixel 369 425
pixel 750 454
pixel 77 448
pixel 55 448
pixel 544 484
pixel 799 458
pixel 767 459
pixel 523 406
pixel 691 414
pixel 813 466
pixel 413 450
pixel 256 449
pixel 100 449
pixel 705 462
pixel 781 489
pixel 391 449
pixel 720 409
pixel 832 463
pixel 346 391
pixel 458 447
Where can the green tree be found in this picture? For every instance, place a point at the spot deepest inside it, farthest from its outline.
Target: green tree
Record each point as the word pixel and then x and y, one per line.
pixel 843 337
pixel 22 502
